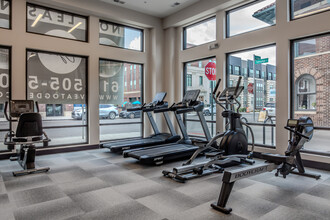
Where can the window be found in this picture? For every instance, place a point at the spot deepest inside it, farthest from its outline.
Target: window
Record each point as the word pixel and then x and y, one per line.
pixel 200 33
pixel 194 70
pixel 189 80
pixel 59 83
pixel 200 80
pixel 270 76
pixel 4 92
pixel 262 74
pixel 237 70
pixel 116 35
pixel 5 8
pixel 264 91
pixel 245 71
pixel 310 94
pixel 301 8
pixel 306 93
pixel 115 121
pixel 255 15
pixel 230 69
pixel 305 47
pixel 57 23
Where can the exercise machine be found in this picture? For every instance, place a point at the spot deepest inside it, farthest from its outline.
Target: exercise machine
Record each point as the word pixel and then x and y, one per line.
pixel 183 148
pixel 155 139
pixel 233 147
pixel 29 132
pixel 301 131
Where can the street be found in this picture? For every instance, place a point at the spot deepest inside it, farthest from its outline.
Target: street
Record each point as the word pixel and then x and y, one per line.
pixel 71 135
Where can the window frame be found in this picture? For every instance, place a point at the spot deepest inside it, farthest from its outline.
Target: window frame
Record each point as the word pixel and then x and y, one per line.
pixel 121 25
pixel 57 10
pixel 184 31
pixel 86 89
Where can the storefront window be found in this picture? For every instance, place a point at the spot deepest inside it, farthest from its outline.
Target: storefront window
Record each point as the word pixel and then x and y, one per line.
pixel 116 35
pixel 4 92
pixel 301 8
pixel 258 99
pixel 310 83
pixel 115 98
pixel 5 9
pixel 250 17
pixel 197 73
pixel 58 82
pixel 200 33
pixel 56 23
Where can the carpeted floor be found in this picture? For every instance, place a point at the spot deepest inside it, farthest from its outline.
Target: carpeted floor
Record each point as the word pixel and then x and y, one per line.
pixel 100 185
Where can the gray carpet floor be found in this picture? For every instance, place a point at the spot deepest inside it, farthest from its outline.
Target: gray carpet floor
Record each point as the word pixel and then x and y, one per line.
pixel 97 184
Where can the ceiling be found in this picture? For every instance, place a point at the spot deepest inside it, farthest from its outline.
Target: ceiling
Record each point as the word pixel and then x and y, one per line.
pixel 157 8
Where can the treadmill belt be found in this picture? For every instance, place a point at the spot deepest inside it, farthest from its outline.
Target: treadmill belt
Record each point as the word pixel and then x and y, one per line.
pixel 163 151
pixel 125 145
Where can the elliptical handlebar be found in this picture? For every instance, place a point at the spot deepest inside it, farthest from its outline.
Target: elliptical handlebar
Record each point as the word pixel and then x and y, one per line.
pixel 296 132
pixel 216 87
pixel 5 112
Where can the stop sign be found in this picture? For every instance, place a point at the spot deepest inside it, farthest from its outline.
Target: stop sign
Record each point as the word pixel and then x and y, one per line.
pixel 250 88
pixel 210 71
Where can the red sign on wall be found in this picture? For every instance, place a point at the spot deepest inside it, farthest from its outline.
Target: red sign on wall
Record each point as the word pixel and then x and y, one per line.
pixel 250 88
pixel 210 71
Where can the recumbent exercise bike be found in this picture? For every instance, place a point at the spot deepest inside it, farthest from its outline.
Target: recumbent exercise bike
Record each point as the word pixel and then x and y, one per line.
pixel 29 132
pixel 233 147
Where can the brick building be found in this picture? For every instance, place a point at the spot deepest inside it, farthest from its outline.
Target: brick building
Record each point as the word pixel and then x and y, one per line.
pixel 312 80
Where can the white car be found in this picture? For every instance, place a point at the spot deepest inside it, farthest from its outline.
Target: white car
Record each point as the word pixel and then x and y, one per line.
pixel 270 108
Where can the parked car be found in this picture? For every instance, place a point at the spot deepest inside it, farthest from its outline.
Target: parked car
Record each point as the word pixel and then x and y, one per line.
pixel 208 110
pixel 105 111
pixel 108 111
pixel 77 113
pixel 131 115
pixel 270 108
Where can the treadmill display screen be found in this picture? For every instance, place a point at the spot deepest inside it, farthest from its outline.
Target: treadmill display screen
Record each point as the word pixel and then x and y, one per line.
pixel 191 95
pixel 159 97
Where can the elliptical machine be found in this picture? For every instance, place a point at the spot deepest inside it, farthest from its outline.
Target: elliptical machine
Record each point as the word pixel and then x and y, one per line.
pixel 233 147
pixel 301 132
pixel 28 133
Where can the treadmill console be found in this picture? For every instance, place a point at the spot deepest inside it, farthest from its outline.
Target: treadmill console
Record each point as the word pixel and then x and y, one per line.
pixel 229 92
pixel 159 97
pixel 18 107
pixel 191 96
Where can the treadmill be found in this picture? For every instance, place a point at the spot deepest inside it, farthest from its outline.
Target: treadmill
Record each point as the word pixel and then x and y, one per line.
pixel 183 148
pixel 157 138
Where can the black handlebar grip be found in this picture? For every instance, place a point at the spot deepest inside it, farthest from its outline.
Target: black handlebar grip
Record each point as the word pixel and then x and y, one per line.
pixel 218 94
pixel 37 106
pixel 5 111
pixel 216 86
pixel 237 85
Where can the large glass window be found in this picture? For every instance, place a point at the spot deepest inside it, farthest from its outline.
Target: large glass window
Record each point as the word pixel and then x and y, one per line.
pixel 4 92
pixel 301 8
pixel 258 99
pixel 59 83
pixel 196 70
pixel 310 87
pixel 200 33
pixel 115 98
pixel 117 35
pixel 5 9
pixel 57 23
pixel 256 15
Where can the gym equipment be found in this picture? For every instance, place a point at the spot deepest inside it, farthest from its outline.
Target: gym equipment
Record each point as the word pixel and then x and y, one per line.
pixel 301 132
pixel 157 138
pixel 28 133
pixel 184 147
pixel 233 147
